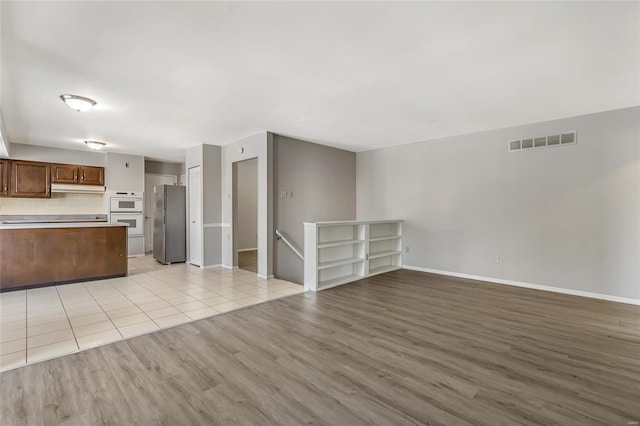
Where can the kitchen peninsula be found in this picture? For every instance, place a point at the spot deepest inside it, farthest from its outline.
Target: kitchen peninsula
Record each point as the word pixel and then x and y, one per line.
pixel 35 254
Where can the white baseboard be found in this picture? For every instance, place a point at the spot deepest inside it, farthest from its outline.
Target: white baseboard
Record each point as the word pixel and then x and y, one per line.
pixel 249 249
pixel 265 277
pixel 210 266
pixel 229 267
pixel 528 285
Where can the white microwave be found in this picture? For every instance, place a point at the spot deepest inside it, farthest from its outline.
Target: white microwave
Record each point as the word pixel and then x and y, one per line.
pixel 126 205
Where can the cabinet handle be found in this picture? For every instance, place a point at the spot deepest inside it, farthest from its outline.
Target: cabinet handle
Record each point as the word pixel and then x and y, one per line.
pixel 75 176
pixel 82 178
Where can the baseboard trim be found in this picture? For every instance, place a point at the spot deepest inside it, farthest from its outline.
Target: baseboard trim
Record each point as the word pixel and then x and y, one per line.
pixel 265 277
pixel 229 267
pixel 528 285
pixel 210 266
pixel 249 249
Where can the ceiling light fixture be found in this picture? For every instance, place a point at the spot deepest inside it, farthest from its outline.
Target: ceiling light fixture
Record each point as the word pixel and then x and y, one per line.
pixel 79 103
pixel 95 144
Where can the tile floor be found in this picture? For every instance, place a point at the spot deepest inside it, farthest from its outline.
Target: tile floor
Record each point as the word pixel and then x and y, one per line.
pixel 44 323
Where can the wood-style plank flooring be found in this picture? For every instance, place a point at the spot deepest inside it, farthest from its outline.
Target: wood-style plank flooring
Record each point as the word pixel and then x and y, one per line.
pixel 395 349
pixel 248 260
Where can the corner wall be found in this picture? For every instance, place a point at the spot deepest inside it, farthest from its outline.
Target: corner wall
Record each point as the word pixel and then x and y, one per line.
pixel 323 182
pixel 566 217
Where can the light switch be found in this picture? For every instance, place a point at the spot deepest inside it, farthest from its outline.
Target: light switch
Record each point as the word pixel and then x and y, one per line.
pixel 283 194
pixel 290 194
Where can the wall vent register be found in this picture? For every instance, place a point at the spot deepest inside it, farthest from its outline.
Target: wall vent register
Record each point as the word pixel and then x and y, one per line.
pixel 568 138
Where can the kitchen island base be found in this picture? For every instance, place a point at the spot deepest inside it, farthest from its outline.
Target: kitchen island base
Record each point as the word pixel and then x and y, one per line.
pixel 40 256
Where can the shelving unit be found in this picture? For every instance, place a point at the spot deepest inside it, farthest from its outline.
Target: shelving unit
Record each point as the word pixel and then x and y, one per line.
pixel 340 252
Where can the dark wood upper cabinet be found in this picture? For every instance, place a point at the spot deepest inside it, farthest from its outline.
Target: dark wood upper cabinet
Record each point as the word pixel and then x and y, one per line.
pixel 64 173
pixel 82 175
pixel 4 178
pixel 91 175
pixel 30 179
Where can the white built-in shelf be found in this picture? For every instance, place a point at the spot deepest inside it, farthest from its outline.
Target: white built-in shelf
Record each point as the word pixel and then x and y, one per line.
pixel 383 254
pixel 386 237
pixel 383 269
pixel 339 243
pixel 323 285
pixel 339 262
pixel 339 252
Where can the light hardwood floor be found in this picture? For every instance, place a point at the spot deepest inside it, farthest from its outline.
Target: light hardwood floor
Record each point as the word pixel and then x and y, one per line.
pixel 399 348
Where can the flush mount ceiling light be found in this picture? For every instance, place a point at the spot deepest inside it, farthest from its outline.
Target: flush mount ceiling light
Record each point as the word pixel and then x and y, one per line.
pixel 79 103
pixel 95 144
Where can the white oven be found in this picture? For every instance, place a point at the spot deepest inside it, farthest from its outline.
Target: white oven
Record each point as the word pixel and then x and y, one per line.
pixel 126 205
pixel 134 222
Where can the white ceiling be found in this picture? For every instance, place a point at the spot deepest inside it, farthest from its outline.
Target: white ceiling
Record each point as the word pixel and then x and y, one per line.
pixel 170 75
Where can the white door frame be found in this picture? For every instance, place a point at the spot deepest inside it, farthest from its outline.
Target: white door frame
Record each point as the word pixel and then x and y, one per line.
pixel 200 229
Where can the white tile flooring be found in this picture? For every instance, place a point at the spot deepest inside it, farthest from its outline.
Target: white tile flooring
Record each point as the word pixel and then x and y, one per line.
pixel 48 322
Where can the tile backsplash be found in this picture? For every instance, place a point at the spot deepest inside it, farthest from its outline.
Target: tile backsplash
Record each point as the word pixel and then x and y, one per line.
pixel 57 204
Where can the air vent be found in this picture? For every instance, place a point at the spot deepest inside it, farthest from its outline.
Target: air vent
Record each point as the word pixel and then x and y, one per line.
pixel 543 141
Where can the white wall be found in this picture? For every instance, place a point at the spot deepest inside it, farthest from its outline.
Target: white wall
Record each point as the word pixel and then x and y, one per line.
pixel 124 172
pixel 58 155
pixel 566 217
pixel 57 204
pixel 247 204
pixel 5 145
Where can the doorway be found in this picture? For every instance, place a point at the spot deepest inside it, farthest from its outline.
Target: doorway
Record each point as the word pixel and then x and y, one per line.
pixel 150 182
pixel 245 206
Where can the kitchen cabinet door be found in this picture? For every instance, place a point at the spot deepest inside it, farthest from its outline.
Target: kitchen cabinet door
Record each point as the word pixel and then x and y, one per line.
pixel 30 179
pixel 4 178
pixel 91 175
pixel 64 173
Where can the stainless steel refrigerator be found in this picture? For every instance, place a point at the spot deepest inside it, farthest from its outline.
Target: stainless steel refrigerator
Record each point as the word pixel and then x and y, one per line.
pixel 170 224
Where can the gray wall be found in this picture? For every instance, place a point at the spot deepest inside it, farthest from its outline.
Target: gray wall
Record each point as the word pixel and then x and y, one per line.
pixel 212 204
pixel 247 216
pixel 565 216
pixel 323 182
pixel 163 168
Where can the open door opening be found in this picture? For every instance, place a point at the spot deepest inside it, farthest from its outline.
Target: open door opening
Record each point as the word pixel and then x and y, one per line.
pixel 245 212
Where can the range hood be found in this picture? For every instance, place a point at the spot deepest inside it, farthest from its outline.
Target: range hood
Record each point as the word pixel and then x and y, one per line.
pixel 77 189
